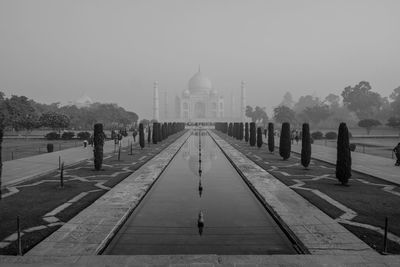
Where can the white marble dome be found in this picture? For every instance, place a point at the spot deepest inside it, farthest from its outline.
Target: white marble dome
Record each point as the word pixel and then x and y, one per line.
pixel 199 84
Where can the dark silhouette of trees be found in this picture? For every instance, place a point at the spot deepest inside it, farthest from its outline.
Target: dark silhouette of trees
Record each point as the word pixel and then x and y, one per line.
pixel 362 100
pixel 394 122
pixel 54 120
pixel 258 115
pixel 368 124
pixel 284 114
pixel 343 161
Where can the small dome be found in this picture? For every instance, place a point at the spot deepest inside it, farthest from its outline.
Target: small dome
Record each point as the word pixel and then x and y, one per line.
pixel 186 93
pixel 199 84
pixel 214 92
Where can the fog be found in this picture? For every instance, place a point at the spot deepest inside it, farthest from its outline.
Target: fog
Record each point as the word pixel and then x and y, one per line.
pixel 112 51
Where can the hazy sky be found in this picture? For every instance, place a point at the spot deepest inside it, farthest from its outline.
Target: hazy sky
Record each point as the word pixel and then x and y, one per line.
pixel 54 50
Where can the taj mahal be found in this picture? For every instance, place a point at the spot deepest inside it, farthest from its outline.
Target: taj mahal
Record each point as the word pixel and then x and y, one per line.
pixel 199 102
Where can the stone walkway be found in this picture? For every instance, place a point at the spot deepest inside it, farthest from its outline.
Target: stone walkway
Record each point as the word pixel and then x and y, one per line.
pixel 379 167
pixel 16 171
pixel 319 233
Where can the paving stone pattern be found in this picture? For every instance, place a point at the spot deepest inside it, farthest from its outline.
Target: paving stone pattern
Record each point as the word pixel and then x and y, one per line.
pixel 89 231
pixel 316 230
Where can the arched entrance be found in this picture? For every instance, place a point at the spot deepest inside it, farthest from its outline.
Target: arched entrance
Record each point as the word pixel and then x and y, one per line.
pixel 200 110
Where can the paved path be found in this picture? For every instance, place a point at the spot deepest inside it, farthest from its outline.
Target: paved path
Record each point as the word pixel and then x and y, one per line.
pixel 379 167
pixel 15 171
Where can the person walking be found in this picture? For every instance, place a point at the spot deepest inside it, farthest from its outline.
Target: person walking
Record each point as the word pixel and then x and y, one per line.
pixel 396 150
pixel 134 135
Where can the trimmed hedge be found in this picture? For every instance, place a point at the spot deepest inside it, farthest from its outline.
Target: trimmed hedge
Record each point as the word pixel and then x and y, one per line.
pixel 252 133
pixel 317 135
pixel 83 135
pixel 67 135
pixel 343 161
pixel 285 144
pixel 305 146
pixel 271 137
pixel 331 135
pixel 259 137
pixel 52 136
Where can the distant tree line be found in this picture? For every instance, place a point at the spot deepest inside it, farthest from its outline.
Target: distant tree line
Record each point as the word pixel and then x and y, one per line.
pixel 20 113
pixel 357 105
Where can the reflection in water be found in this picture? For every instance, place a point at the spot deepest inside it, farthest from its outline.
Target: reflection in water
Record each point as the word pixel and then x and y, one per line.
pixel 200 222
pixel 204 152
pixel 200 188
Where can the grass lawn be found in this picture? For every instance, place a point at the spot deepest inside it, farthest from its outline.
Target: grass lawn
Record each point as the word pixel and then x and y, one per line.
pixel 16 148
pixel 37 197
pixel 370 199
pixel 381 147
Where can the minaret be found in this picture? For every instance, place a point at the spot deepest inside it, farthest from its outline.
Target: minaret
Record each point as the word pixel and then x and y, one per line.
pixel 165 105
pixel 233 106
pixel 243 102
pixel 156 115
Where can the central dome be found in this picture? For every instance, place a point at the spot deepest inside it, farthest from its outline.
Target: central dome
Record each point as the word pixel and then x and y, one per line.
pixel 199 84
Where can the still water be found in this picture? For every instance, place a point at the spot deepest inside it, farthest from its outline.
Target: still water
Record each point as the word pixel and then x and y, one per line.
pixel 188 213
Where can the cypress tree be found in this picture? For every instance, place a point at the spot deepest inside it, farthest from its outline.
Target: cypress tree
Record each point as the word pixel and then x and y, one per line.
pixel 141 135
pixel 343 161
pixel 1 160
pixel 252 133
pixel 285 144
pixel 241 131
pixel 155 134
pixel 148 134
pixel 98 143
pixel 162 131
pixel 305 145
pixel 259 137
pixel 159 134
pixel 271 137
pixel 246 132
pixel 230 129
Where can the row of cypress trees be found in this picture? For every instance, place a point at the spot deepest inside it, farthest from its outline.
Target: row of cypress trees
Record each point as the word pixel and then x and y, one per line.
pixel 254 136
pixel 160 132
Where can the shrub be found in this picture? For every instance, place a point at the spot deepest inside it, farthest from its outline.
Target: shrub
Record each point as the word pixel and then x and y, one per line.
pixel 259 137
pixel 98 142
pixel 52 136
pixel 343 161
pixel 50 148
pixel 271 137
pixel 83 135
pixel 285 142
pixel 252 133
pixel 331 135
pixel 305 146
pixel 352 147
pixel 317 135
pixel 67 135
